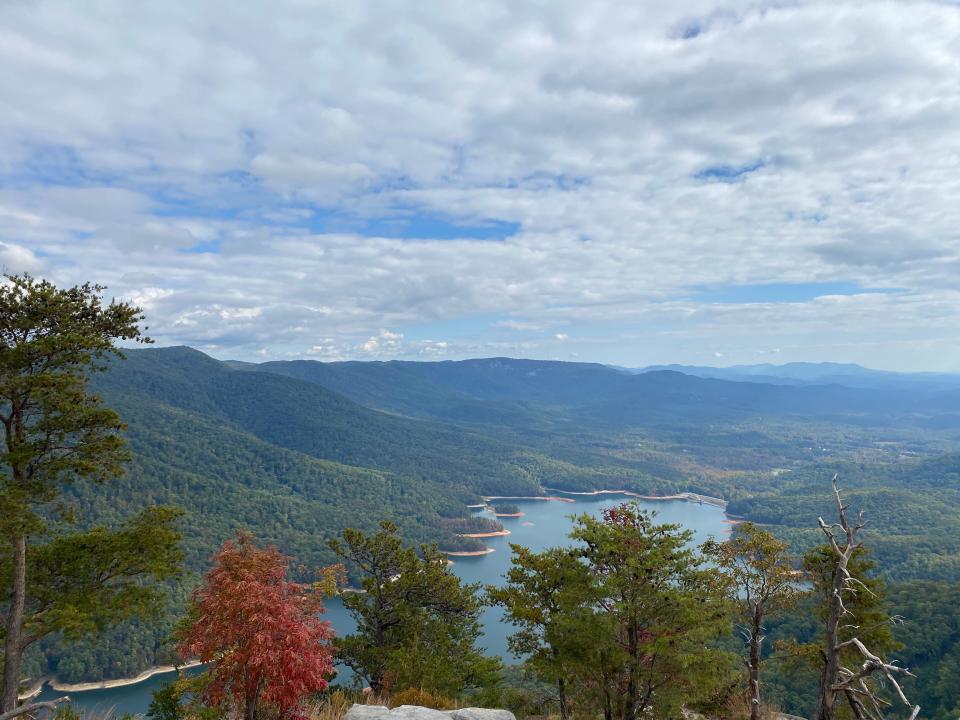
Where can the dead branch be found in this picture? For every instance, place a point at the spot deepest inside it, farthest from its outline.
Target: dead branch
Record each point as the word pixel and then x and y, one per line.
pixel 837 679
pixel 32 708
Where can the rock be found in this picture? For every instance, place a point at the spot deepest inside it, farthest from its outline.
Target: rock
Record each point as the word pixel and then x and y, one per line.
pixel 415 712
pixel 480 714
pixel 368 712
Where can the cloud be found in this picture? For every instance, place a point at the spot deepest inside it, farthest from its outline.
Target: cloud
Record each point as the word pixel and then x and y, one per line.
pixel 18 259
pixel 385 343
pixel 562 337
pixel 276 172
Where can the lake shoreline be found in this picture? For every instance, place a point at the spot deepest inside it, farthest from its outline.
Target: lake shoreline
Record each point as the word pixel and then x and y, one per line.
pixel 529 497
pixel 110 684
pixel 469 553
pixel 496 533
pixel 686 496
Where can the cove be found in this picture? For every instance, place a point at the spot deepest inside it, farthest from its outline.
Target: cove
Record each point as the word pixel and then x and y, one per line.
pixel 543 524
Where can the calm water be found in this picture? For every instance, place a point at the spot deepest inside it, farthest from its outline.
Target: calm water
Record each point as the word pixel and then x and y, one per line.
pixel 545 524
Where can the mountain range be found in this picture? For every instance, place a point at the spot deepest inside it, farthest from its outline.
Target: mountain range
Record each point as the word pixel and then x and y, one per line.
pixel 824 373
pixel 298 450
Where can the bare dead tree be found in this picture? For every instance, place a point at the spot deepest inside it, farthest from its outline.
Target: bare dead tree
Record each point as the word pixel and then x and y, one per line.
pixel 858 686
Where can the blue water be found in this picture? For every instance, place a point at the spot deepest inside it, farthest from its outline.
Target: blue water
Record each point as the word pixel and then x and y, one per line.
pixel 544 524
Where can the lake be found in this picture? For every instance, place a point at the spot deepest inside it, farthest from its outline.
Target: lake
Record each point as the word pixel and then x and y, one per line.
pixel 544 524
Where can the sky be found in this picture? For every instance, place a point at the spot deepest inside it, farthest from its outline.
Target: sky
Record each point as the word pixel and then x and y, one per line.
pixel 632 183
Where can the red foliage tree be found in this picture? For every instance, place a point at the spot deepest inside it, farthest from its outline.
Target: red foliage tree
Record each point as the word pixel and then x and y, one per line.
pixel 261 633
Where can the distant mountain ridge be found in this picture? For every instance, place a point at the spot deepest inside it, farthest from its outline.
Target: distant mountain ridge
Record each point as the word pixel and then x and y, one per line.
pixel 552 393
pixel 825 373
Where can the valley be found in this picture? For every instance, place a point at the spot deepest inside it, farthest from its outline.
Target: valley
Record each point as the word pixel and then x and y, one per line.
pixel 297 451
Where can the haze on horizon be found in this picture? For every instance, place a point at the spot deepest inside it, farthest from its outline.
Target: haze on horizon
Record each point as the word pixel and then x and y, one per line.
pixel 696 182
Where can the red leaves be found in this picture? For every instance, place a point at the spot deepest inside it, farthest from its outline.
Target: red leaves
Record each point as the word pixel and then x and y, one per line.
pixel 260 631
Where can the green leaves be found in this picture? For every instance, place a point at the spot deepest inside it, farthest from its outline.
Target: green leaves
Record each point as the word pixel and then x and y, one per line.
pixel 624 622
pixel 54 432
pixel 81 581
pixel 417 624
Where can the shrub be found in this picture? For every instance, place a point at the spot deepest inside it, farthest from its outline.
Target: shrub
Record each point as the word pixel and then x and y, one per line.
pixel 423 698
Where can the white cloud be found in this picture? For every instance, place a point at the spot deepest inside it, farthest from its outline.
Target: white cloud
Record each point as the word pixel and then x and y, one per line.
pixel 18 259
pixel 233 160
pixel 385 343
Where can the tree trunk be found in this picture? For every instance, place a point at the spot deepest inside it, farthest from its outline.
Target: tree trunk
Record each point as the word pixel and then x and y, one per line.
pixel 12 651
pixel 562 696
pixel 831 667
pixel 753 666
pixel 376 684
pixel 250 711
pixel 607 701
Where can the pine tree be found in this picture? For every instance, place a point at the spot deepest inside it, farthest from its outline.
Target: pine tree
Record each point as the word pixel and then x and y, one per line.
pixel 763 583
pixel 55 432
pixel 417 624
pixel 547 597
pixel 659 612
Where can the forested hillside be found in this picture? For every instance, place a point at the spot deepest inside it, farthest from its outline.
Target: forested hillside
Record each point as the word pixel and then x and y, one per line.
pixel 298 451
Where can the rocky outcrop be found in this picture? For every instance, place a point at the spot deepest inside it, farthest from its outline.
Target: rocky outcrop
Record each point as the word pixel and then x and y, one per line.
pixel 415 712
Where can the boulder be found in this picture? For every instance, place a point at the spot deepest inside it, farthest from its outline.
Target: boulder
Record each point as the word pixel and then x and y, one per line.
pixel 368 712
pixel 415 712
pixel 480 714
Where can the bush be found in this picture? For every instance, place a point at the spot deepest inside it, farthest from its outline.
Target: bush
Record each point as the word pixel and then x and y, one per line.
pixel 423 698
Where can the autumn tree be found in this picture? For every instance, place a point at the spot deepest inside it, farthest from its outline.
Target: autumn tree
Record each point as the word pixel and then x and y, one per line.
pixel 856 627
pixel 547 597
pixel 261 633
pixel 55 431
pixel 763 583
pixel 417 623
pixel 659 610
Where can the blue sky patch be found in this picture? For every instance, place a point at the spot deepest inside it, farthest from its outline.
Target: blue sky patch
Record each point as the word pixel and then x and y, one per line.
pixel 729 173
pixel 780 292
pixel 420 226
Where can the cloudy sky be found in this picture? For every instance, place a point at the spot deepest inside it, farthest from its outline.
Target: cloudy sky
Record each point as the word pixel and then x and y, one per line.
pixel 625 182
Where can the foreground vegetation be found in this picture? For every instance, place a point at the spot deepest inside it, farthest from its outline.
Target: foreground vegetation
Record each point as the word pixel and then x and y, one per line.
pixel 631 621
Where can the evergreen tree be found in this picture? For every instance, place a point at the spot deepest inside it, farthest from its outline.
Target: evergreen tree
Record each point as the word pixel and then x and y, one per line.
pixel 417 624
pixel 660 611
pixel 763 583
pixel 547 597
pixel 56 431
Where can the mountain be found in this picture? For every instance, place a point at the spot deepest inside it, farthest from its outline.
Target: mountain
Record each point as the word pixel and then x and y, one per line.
pixel 826 373
pixel 298 451
pixel 554 395
pixel 297 462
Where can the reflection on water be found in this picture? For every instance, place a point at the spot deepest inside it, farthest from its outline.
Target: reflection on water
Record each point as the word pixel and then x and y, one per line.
pixel 544 524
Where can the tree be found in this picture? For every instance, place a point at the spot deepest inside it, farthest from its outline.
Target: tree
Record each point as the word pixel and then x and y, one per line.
pixel 417 624
pixel 763 582
pixel 262 633
pixel 55 432
pixel 165 703
pixel 846 626
pixel 660 611
pixel 547 598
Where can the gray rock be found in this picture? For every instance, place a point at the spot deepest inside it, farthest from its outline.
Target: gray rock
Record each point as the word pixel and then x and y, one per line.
pixel 415 712
pixel 480 714
pixel 368 712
